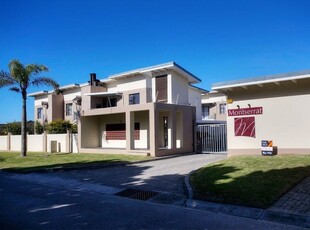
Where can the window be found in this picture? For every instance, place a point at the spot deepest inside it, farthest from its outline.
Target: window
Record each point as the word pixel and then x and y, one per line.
pixel 222 108
pixel 205 112
pixel 69 109
pixel 134 99
pixel 161 88
pixel 109 102
pixel 39 113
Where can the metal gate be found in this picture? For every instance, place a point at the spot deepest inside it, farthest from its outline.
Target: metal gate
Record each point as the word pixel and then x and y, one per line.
pixel 212 138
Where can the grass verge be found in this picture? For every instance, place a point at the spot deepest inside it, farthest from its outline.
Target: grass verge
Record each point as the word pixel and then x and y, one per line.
pixel 11 161
pixel 253 181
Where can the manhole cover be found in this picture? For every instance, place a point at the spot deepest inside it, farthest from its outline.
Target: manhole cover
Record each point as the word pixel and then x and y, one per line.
pixel 137 194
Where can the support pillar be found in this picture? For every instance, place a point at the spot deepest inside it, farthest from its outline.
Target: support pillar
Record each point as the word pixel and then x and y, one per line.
pixel 130 126
pixel 173 130
pixel 44 134
pixel 9 141
pixel 153 120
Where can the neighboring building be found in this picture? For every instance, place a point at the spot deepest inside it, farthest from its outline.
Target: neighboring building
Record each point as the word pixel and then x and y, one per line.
pixel 273 108
pixel 213 107
pixel 150 111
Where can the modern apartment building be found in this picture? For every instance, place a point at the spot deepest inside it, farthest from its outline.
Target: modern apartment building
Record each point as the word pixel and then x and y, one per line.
pixel 213 107
pixel 150 111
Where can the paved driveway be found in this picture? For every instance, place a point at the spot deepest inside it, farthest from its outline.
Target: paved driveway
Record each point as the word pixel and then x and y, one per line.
pixel 166 175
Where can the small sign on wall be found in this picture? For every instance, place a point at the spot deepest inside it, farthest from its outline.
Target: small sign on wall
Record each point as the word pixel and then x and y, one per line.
pixel 267 148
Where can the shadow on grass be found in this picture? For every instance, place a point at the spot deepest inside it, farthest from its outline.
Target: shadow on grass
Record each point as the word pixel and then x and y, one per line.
pixel 55 166
pixel 258 189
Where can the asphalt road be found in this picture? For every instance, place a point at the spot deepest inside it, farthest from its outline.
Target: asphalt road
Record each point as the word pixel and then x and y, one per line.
pixel 165 175
pixel 31 205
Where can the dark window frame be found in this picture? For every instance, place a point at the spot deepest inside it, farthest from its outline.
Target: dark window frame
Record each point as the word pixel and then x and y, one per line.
pixel 222 108
pixel 39 113
pixel 134 99
pixel 69 109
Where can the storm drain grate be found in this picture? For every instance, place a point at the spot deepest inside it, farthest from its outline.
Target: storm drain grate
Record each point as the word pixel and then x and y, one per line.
pixel 137 194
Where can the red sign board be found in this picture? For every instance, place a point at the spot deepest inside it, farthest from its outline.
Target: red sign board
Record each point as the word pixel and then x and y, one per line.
pixel 245 126
pixel 245 112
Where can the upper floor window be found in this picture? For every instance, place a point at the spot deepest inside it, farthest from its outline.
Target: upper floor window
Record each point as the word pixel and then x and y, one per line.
pixel 134 98
pixel 108 102
pixel 161 88
pixel 222 108
pixel 39 113
pixel 69 109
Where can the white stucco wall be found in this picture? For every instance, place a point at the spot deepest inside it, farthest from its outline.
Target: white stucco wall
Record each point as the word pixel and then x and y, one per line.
pixel 179 90
pixel 35 143
pixel 206 99
pixel 285 121
pixel 3 142
pixel 143 119
pixel 39 99
pixel 69 95
pixel 194 96
pixel 61 142
pixel 131 83
pixel 15 142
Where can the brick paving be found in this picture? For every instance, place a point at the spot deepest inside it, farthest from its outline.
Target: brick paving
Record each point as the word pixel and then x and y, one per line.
pixel 296 201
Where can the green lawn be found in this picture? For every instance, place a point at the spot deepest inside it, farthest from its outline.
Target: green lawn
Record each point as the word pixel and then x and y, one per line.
pixel 11 161
pixel 254 181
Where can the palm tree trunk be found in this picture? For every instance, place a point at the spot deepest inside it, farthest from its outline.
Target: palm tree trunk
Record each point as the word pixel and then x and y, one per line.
pixel 24 125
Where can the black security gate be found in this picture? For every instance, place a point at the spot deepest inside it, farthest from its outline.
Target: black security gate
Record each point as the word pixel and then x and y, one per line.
pixel 212 138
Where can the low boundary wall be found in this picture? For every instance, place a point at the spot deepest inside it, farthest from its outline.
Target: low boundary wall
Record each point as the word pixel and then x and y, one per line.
pixel 62 143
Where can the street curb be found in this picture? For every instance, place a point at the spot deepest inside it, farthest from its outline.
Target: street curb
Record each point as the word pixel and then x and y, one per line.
pixel 241 211
pixel 235 210
pixel 189 189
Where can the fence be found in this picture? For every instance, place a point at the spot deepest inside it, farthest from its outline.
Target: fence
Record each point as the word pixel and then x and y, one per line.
pixel 63 143
pixel 211 138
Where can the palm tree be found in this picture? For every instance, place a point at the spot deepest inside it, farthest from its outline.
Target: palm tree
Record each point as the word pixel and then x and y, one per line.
pixel 19 78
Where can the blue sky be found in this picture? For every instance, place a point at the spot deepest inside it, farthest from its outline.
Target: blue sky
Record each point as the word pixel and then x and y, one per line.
pixel 215 40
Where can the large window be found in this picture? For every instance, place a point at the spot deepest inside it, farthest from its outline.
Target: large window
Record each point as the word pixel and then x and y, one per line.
pixel 69 109
pixel 134 99
pixel 109 102
pixel 222 108
pixel 39 113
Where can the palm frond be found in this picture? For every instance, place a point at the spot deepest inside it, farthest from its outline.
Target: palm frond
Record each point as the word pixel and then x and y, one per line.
pixel 6 79
pixel 15 89
pixel 38 81
pixel 17 70
pixel 35 69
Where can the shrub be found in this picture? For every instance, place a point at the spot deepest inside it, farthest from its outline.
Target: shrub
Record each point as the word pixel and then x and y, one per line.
pixel 38 127
pixel 14 127
pixel 59 126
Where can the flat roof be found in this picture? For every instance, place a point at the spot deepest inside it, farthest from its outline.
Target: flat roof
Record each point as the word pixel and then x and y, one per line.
pixel 292 76
pixel 169 65
pixel 165 66
pixel 37 93
pixel 103 94
pixel 198 88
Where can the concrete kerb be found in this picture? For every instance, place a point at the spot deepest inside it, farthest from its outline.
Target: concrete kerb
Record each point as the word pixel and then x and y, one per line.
pixel 248 212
